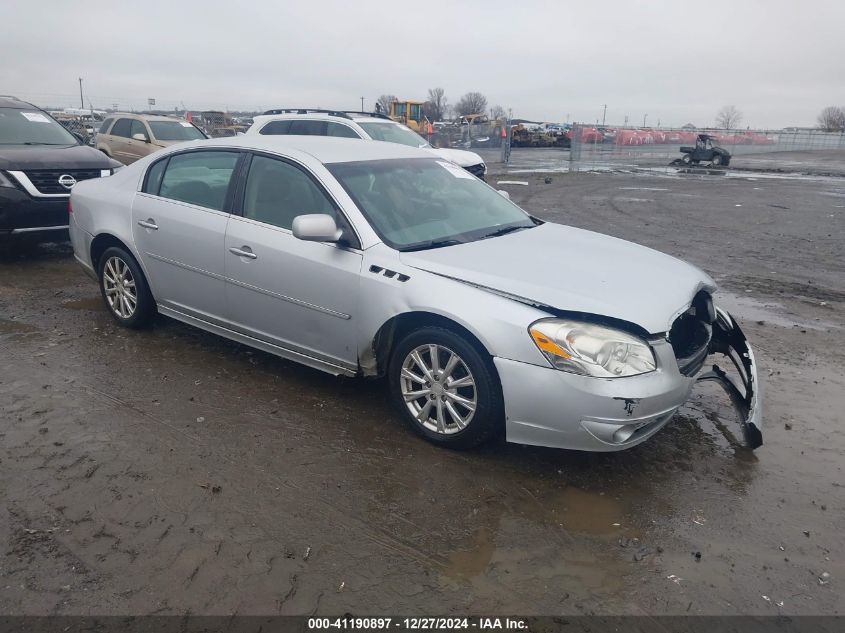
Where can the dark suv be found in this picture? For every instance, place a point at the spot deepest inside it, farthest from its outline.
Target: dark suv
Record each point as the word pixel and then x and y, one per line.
pixel 39 163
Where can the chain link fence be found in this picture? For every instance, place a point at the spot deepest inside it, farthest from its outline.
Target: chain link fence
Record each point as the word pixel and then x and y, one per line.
pixel 592 147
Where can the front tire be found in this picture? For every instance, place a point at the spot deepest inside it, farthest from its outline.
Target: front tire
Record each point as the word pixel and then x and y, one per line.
pixel 124 289
pixel 717 160
pixel 445 389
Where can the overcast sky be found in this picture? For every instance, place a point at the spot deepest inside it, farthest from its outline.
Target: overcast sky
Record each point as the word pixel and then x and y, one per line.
pixel 780 62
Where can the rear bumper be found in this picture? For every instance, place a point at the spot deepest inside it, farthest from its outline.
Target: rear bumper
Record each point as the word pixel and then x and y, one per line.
pixel 20 213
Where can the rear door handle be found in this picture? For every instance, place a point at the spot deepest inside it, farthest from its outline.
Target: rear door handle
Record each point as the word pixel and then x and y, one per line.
pixel 149 223
pixel 243 251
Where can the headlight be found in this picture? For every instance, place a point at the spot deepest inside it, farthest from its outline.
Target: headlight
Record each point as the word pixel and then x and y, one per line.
pixel 591 350
pixel 5 181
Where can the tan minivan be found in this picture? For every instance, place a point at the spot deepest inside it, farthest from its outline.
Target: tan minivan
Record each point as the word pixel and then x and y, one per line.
pixel 128 137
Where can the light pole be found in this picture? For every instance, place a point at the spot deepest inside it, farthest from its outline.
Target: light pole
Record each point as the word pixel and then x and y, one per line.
pixel 362 104
pixel 645 116
pixel 81 101
pixel 604 114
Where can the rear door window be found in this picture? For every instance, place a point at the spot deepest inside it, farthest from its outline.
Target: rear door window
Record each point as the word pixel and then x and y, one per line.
pixel 154 176
pixel 339 129
pixel 308 128
pixel 276 127
pixel 122 128
pixel 200 178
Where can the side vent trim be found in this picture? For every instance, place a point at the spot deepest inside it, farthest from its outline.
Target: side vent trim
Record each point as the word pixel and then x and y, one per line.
pixel 390 274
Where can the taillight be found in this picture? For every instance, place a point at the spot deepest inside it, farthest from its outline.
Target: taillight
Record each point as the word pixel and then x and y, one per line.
pixel 69 207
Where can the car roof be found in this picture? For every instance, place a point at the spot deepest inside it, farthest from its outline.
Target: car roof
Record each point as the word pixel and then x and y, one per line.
pixel 8 101
pixel 144 117
pixel 325 116
pixel 326 149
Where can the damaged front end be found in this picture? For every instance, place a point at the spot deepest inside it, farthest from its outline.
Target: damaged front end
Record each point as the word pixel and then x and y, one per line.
pixel 727 339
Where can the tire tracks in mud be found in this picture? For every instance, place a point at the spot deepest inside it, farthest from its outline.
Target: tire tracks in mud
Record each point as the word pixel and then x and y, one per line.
pixel 325 512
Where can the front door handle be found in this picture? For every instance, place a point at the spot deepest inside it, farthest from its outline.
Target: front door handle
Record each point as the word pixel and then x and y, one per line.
pixel 243 251
pixel 149 223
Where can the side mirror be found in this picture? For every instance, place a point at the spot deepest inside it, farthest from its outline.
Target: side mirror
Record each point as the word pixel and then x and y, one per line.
pixel 316 227
pixel 503 193
pixel 140 137
pixel 79 137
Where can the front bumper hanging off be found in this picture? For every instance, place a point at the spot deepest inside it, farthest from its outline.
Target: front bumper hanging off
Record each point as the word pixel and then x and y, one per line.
pixel 729 340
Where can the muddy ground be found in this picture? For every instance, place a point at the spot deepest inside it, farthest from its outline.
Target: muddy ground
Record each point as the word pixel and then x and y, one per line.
pixel 170 471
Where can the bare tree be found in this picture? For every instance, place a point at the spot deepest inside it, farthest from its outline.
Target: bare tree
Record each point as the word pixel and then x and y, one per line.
pixel 832 119
pixel 729 118
pixel 435 107
pixel 471 103
pixel 497 112
pixel 384 101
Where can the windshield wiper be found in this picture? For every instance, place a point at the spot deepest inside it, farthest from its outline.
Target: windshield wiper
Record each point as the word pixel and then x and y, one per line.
pixel 504 231
pixel 422 246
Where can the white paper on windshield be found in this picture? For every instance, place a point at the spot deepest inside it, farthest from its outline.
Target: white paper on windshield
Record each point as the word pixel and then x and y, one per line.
pixel 185 124
pixel 456 171
pixel 35 117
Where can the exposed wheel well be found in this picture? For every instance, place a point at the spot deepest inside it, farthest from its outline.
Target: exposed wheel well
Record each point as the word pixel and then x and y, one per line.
pixel 397 327
pixel 99 246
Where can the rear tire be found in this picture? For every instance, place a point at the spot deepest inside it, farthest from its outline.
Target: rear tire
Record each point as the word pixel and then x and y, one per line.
pixel 686 159
pixel 458 401
pixel 124 289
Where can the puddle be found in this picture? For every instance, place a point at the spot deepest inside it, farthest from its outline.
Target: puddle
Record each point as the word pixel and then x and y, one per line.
pixel 771 312
pixel 94 304
pixel 8 326
pixel 471 562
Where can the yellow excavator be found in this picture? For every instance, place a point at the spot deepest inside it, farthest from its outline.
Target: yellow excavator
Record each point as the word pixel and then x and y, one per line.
pixel 410 113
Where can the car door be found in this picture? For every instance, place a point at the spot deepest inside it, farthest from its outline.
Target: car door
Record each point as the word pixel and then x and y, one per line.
pixel 138 148
pixel 299 295
pixel 179 226
pixel 117 140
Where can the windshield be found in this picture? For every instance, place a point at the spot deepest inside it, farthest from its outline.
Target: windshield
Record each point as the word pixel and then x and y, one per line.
pixel 32 127
pixel 425 203
pixel 174 131
pixel 393 132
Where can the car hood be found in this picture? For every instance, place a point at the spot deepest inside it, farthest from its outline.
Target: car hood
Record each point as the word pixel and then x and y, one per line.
pixel 458 156
pixel 573 270
pixel 24 157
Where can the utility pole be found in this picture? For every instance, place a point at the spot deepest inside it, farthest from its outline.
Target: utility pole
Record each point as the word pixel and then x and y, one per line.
pixel 362 104
pixel 604 114
pixel 81 101
pixel 645 116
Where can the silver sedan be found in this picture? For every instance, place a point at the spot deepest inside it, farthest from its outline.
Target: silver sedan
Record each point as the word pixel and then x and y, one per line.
pixel 370 259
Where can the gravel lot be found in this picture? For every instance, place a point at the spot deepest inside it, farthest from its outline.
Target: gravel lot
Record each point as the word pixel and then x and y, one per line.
pixel 170 471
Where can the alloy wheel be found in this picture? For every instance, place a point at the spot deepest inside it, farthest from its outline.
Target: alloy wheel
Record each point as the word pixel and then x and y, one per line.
pixel 119 287
pixel 438 389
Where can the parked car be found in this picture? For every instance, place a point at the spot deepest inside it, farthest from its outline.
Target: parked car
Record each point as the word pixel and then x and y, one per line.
pixel 128 137
pixel 362 125
pixel 40 161
pixel 367 259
